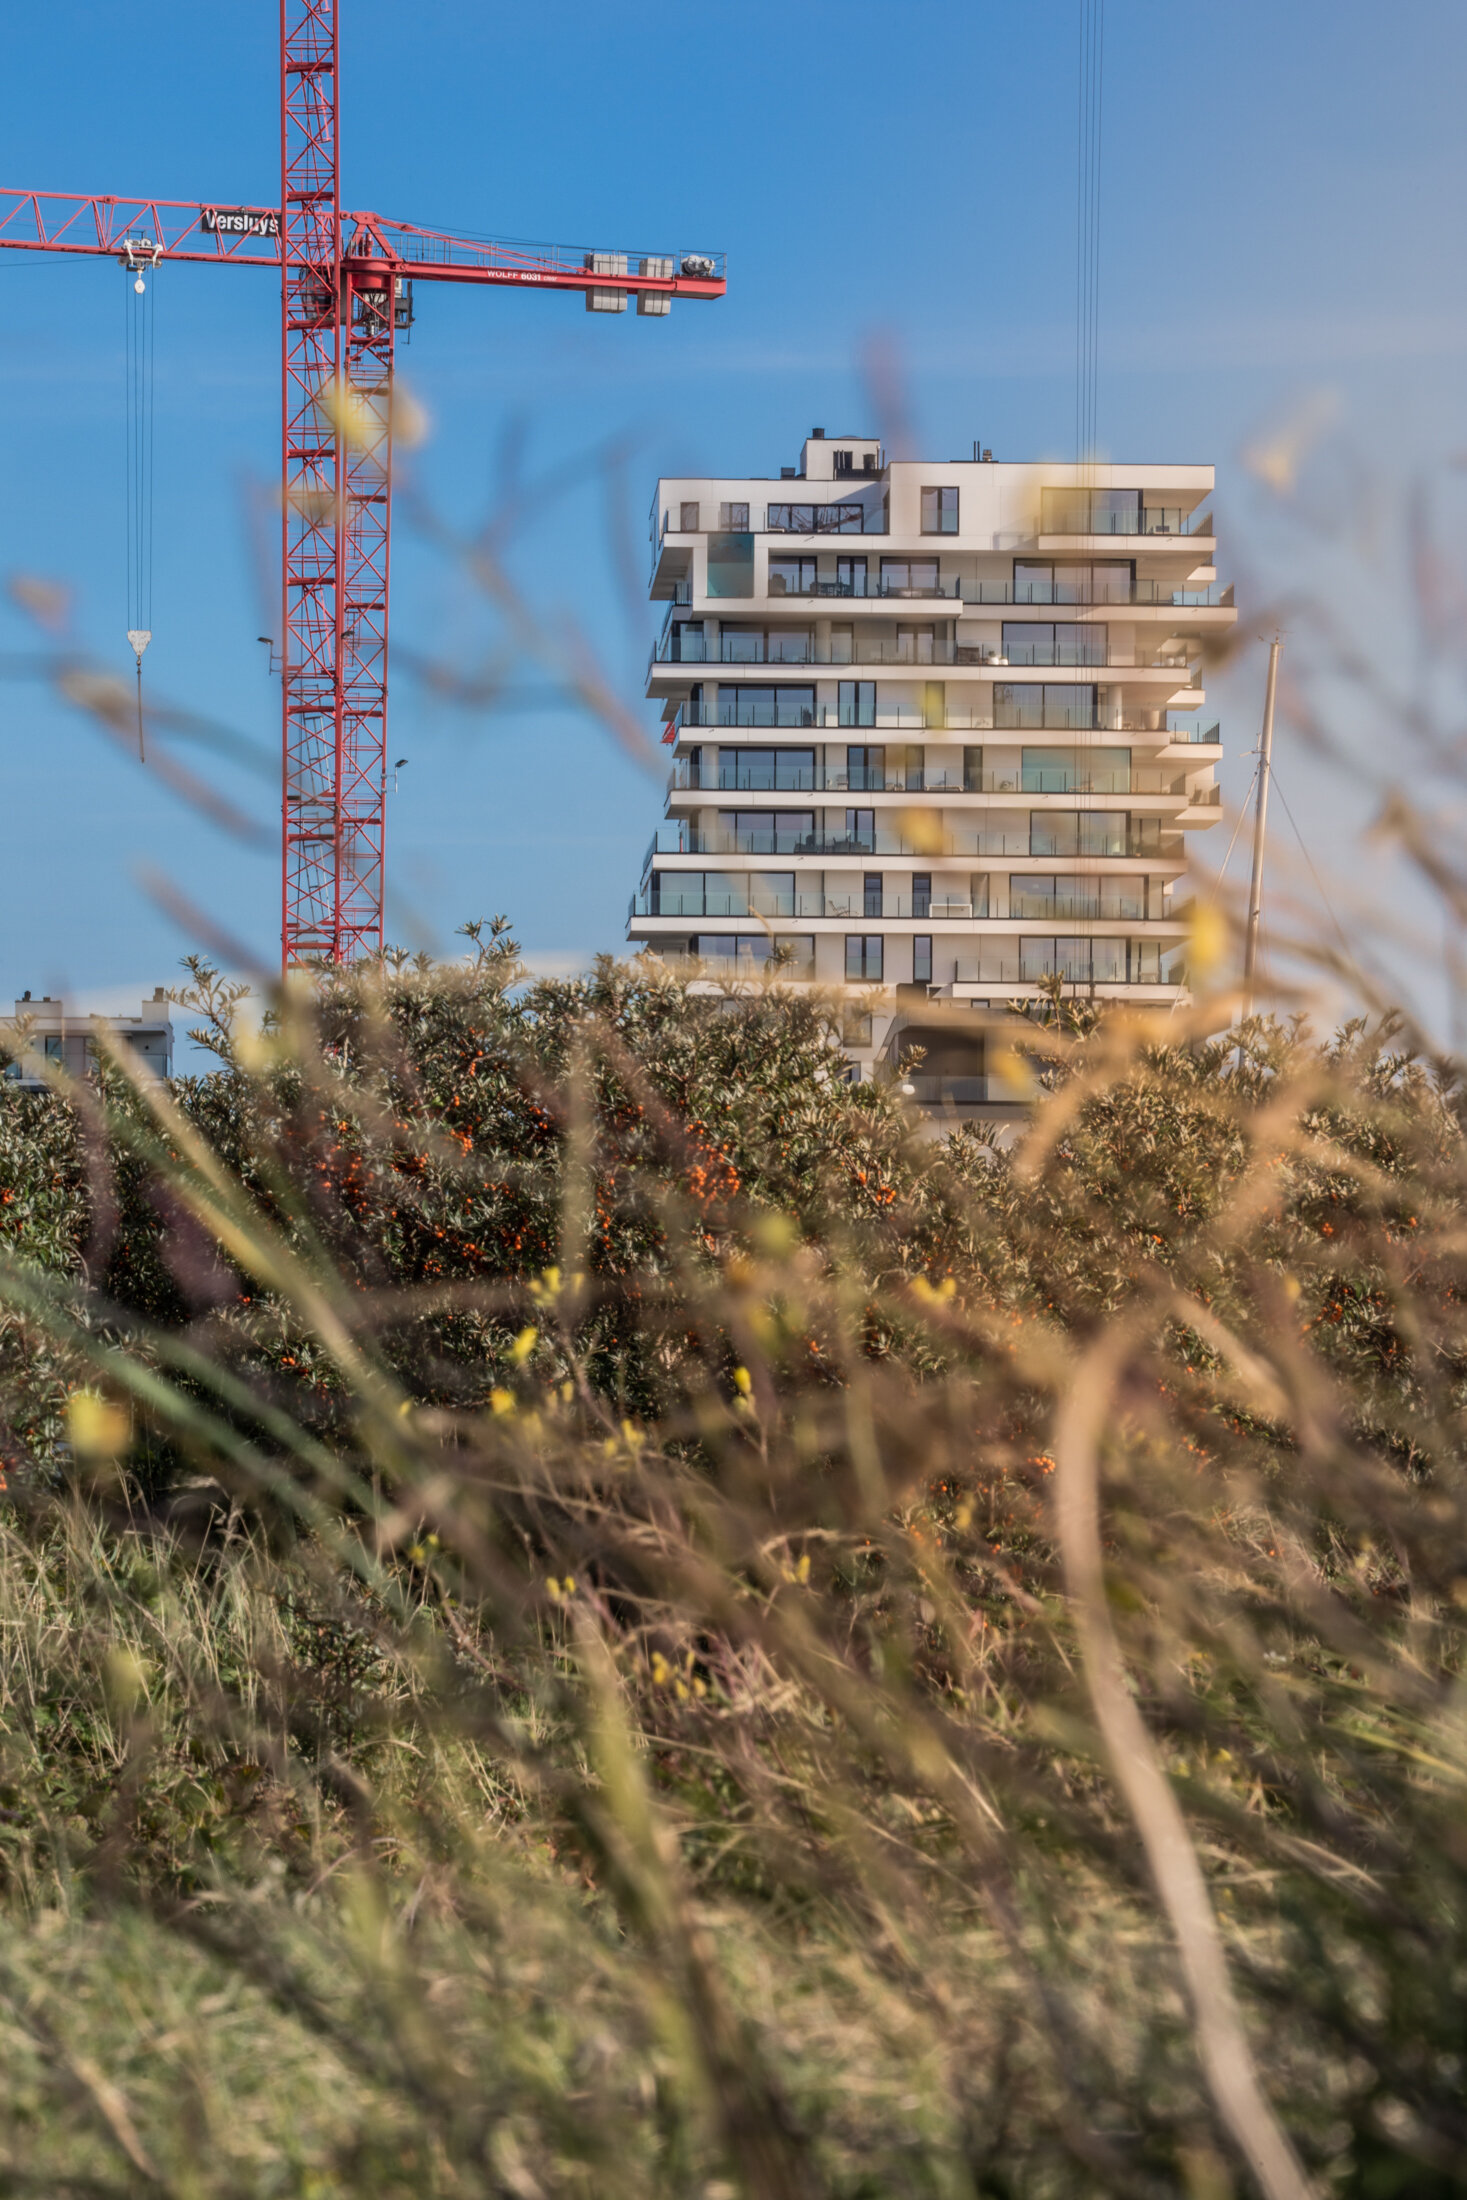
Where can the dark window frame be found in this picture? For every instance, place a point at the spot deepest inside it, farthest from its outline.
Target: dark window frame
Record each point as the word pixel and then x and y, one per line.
pixel 943 510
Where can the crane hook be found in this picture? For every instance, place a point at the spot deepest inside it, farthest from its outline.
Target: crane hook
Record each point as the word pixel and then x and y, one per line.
pixel 139 638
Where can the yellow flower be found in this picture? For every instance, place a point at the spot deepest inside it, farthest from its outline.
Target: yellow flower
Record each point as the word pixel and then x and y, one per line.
pixel 97 1427
pixel 523 1346
pixel 502 1401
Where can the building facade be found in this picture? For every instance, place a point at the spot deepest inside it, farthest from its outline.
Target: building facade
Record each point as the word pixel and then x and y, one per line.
pixel 935 736
pixel 46 1031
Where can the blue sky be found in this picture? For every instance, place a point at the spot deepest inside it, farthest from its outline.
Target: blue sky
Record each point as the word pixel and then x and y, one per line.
pixel 1281 231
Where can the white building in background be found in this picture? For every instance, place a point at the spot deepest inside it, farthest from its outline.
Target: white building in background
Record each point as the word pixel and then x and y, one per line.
pixel 46 1030
pixel 934 733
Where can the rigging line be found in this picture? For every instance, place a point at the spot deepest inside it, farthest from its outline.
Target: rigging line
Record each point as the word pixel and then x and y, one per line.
pixel 1318 881
pixel 1232 844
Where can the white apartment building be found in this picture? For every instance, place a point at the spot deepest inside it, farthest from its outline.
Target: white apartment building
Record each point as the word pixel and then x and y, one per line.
pixel 46 1030
pixel 935 735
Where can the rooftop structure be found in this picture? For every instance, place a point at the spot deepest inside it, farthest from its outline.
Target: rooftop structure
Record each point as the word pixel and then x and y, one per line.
pixel 48 1031
pixel 935 735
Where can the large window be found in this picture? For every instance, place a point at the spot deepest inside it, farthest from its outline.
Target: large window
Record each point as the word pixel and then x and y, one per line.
pixel 857 702
pixel 765 706
pixel 688 519
pixel 1058 895
pixel 909 577
pixel 821 519
pixel 866 769
pixel 850 576
pixel 922 959
pixel 731 565
pixel 1105 581
pixel 1090 961
pixel 872 896
pixel 791 576
pixel 1042 642
pixel 922 894
pixel 973 770
pixel 907 763
pixel 1078 833
pixel 768 832
pixel 1018 705
pixel 860 830
pixel 1090 512
pixel 1076 771
pixel 734 518
pixel 723 894
pixel 863 958
pixel 939 511
pixel 750 645
pixel 1076 961
pixel 751 953
pixel 755 768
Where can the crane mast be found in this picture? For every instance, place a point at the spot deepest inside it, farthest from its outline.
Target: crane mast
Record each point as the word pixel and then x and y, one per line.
pixel 333 697
pixel 346 283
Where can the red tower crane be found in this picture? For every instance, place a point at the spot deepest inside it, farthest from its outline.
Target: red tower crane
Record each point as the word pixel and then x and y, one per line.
pixel 346 289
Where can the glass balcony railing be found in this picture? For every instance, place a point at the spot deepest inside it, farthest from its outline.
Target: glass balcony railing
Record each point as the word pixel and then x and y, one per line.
pixel 1140 966
pixel 1100 908
pixel 686 778
pixel 681 647
pixel 1142 592
pixel 705 717
pixel 1149 519
pixel 672 900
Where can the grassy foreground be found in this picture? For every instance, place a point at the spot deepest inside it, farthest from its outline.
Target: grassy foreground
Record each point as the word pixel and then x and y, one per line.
pixel 580 1614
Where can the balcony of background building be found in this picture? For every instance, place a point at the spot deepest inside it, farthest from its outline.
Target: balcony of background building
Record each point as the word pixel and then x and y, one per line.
pixel 956 588
pixel 1036 779
pixel 1077 973
pixel 673 899
pixel 782 646
pixel 866 837
pixel 701 717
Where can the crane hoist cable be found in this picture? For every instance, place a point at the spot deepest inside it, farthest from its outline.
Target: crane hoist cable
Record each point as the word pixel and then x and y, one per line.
pixel 1087 231
pixel 140 256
